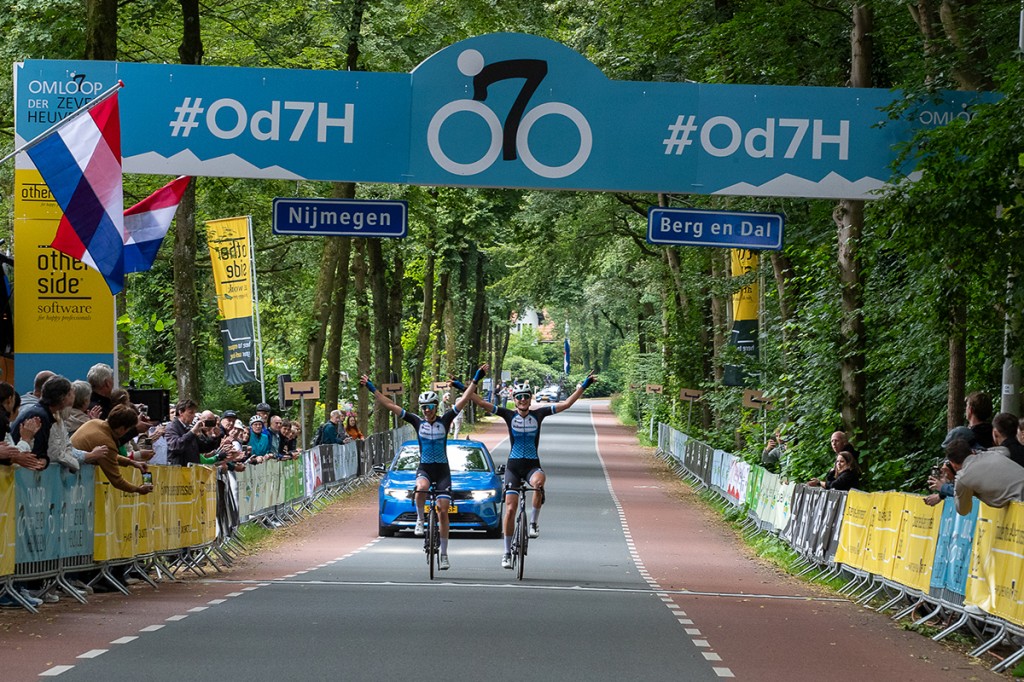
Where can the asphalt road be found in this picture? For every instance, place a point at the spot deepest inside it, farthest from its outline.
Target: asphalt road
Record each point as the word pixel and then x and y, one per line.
pixel 632 577
pixel 583 611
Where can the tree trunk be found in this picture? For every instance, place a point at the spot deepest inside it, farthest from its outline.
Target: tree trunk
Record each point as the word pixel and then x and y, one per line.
pixel 440 301
pixel 382 323
pixel 719 314
pixel 849 219
pixel 956 395
pixel 101 29
pixel 476 325
pixel 362 329
pixel 331 393
pixel 419 352
pixel 186 303
pixel 395 306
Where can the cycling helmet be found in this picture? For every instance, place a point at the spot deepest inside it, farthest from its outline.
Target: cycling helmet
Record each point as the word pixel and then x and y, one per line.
pixel 255 418
pixel 521 389
pixel 263 407
pixel 429 398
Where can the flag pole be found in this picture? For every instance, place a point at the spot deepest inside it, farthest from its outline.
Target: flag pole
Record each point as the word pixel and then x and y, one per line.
pixel 256 314
pixel 64 121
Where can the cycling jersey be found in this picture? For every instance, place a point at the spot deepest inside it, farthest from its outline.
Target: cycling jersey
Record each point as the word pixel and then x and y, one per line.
pixel 432 436
pixel 524 432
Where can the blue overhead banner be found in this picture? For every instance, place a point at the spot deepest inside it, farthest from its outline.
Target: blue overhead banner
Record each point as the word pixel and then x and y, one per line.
pixel 498 110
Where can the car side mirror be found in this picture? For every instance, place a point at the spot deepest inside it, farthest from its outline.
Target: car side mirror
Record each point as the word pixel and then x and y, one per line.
pixel 500 471
pixel 379 469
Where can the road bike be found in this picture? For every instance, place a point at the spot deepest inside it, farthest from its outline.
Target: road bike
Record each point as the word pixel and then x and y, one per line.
pixel 432 532
pixel 521 532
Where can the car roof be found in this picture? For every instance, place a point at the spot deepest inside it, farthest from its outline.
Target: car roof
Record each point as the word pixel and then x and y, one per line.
pixel 452 441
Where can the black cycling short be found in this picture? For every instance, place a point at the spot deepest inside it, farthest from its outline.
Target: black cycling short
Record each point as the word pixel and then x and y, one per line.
pixel 519 469
pixel 438 474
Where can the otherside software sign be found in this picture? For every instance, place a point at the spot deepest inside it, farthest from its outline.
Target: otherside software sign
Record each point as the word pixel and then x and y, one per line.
pixel 229 252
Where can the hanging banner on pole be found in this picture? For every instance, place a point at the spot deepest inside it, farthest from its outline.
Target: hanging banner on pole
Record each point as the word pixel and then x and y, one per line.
pixel 228 239
pixel 744 314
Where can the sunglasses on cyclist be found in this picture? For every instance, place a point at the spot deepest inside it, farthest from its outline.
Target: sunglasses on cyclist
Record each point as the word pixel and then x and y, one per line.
pixel 429 406
pixel 523 396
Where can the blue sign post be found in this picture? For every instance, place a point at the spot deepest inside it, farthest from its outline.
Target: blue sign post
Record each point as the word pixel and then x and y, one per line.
pixel 726 229
pixel 341 217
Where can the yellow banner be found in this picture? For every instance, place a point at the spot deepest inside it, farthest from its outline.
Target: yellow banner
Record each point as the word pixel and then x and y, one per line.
pixel 997 562
pixel 179 494
pixel 852 535
pixel 115 521
pixel 744 301
pixel 915 546
pixel 7 524
pixel 880 544
pixel 229 252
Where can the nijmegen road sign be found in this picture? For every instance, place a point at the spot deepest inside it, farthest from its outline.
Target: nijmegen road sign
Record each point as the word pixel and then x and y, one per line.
pixel 726 229
pixel 341 217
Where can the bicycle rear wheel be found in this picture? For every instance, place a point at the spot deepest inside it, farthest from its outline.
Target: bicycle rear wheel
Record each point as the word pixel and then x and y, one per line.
pixel 432 540
pixel 521 536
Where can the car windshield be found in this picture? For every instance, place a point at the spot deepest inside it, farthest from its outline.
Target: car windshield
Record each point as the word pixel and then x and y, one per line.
pixel 461 458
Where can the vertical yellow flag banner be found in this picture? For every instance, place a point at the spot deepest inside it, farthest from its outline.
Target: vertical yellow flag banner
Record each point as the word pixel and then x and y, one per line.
pixel 63 310
pixel 744 313
pixel 230 254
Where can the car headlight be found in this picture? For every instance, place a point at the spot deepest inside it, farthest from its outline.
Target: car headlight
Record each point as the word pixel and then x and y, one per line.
pixel 481 495
pixel 397 493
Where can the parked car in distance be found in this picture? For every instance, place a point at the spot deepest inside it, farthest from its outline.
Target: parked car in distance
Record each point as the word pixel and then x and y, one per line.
pixel 549 394
pixel 476 489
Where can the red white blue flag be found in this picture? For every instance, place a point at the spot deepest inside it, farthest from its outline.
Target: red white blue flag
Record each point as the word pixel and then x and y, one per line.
pixel 146 224
pixel 81 164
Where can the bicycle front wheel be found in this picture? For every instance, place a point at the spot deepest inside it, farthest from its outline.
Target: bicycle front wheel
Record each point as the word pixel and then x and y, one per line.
pixel 432 540
pixel 521 538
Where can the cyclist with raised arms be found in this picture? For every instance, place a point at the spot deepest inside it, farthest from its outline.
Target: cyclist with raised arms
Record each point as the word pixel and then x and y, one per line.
pixel 523 458
pixel 432 434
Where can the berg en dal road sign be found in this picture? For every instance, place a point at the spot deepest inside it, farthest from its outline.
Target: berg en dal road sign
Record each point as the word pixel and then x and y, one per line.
pixel 727 229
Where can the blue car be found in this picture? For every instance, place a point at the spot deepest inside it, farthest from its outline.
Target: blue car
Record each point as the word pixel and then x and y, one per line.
pixel 476 489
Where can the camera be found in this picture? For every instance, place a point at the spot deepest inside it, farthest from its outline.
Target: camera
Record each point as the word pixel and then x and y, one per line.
pixel 210 423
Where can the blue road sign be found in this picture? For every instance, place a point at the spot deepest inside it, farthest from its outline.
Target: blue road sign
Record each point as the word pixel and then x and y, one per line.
pixel 726 229
pixel 341 217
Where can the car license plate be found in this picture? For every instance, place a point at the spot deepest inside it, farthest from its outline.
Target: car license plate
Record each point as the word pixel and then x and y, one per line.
pixel 452 509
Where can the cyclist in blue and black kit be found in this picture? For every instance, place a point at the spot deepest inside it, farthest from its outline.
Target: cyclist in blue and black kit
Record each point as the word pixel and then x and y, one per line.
pixel 432 434
pixel 523 459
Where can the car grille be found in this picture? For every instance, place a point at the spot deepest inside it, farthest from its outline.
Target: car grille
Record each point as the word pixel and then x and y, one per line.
pixel 456 520
pixel 456 494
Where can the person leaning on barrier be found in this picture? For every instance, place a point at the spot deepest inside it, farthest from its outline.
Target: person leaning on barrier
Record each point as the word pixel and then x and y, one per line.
pixel 17 453
pixel 989 475
pixel 333 430
pixel 978 411
pixel 108 432
pixel 52 441
pixel 1004 437
pixel 352 431
pixel 845 475
pixel 80 411
pixel 941 478
pixel 774 454
pixel 187 435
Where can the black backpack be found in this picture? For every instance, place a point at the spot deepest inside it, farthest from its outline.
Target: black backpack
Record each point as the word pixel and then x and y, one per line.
pixel 318 439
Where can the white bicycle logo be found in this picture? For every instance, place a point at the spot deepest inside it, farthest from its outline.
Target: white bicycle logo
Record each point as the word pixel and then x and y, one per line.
pixel 514 137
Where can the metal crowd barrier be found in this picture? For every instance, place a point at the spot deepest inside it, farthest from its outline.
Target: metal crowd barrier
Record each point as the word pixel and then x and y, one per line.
pixel 924 562
pixel 57 526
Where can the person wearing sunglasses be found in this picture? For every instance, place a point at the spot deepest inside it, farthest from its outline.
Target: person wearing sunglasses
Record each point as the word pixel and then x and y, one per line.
pixel 523 458
pixel 432 434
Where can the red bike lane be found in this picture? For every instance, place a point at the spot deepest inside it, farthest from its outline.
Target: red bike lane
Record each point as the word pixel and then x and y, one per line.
pixel 684 545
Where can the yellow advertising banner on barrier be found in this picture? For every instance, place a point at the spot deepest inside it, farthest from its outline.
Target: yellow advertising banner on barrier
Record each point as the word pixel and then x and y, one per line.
pixel 880 546
pixel 997 562
pixel 7 524
pixel 915 545
pixel 854 529
pixel 114 521
pixel 179 493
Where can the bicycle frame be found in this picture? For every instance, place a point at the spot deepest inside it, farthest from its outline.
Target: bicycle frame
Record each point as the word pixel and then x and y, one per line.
pixel 521 532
